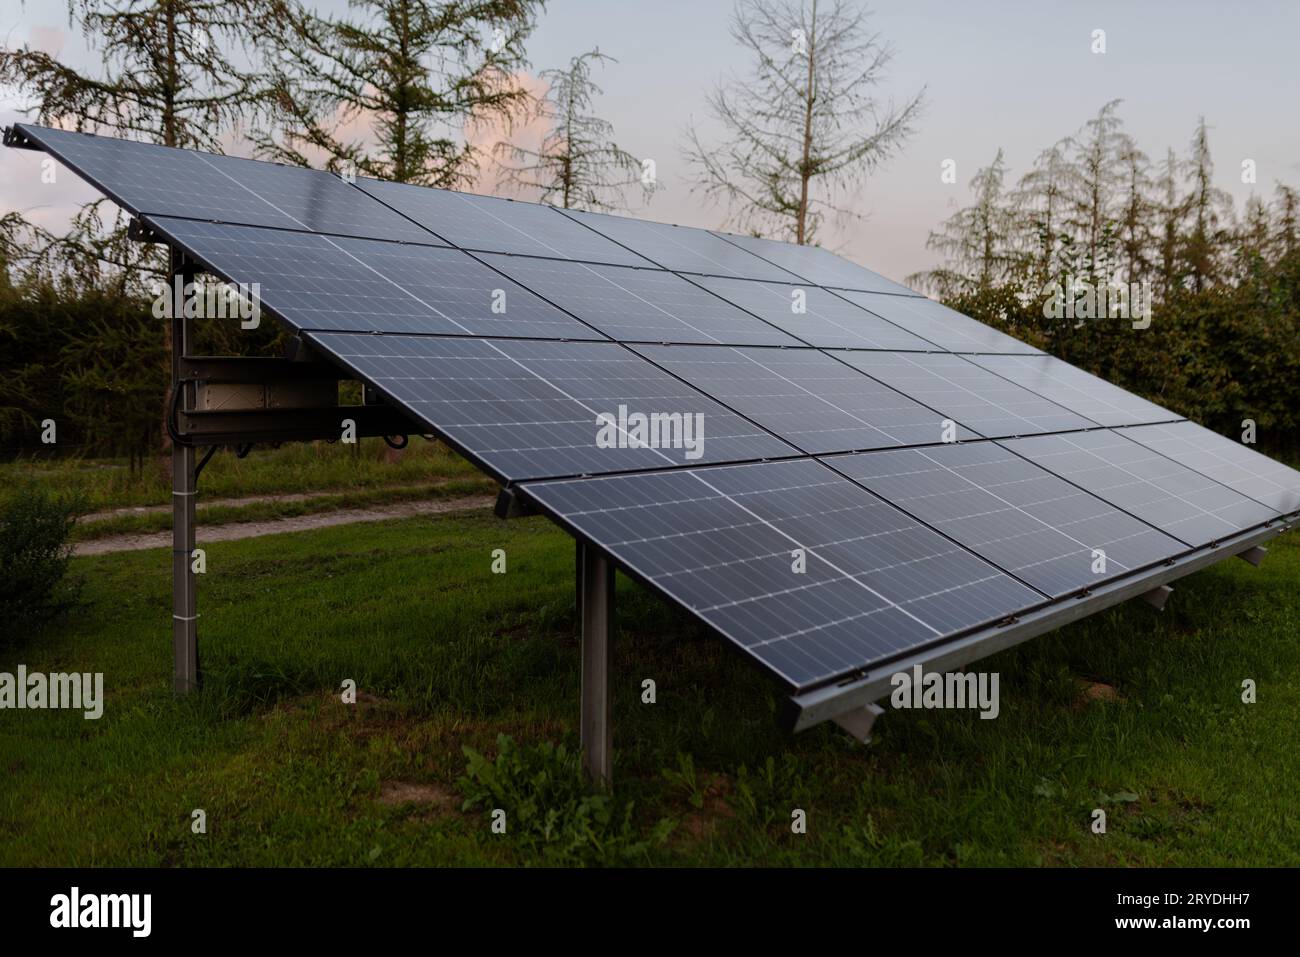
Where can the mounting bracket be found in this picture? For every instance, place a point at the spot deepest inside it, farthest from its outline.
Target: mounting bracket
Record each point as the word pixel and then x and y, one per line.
pixel 803 710
pixel 1254 555
pixel 16 138
pixel 138 232
pixel 510 504
pixel 1157 597
pixel 860 721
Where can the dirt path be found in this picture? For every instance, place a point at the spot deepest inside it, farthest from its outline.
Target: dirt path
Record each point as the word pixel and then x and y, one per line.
pixel 236 502
pixel 299 523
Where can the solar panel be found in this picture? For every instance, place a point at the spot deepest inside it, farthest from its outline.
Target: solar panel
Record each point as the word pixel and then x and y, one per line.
pixel 685 450
pixel 814 315
pixel 489 224
pixel 1009 511
pixel 681 248
pixel 531 409
pixel 816 265
pixel 362 285
pixel 804 396
pixel 145 178
pixel 936 323
pixel 639 305
pixel 719 541
pixel 1187 505
pixel 1230 463
pixel 1077 390
pixel 964 392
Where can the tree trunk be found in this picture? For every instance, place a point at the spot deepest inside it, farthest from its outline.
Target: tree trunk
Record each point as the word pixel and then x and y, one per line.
pixel 805 167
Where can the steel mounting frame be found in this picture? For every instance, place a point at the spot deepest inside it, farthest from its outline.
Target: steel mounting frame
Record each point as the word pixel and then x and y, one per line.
pixel 827 704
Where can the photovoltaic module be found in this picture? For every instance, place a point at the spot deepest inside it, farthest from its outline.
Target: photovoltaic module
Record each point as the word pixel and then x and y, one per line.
pixel 863 474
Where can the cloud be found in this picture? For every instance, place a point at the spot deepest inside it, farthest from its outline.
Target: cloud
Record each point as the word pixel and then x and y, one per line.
pixel 484 135
pixel 24 187
pixel 48 40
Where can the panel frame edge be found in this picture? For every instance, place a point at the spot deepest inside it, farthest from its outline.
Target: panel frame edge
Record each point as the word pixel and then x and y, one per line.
pixel 803 711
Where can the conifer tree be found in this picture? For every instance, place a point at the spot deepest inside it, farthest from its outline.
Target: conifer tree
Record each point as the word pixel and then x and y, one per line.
pixel 391 90
pixel 578 165
pixel 806 126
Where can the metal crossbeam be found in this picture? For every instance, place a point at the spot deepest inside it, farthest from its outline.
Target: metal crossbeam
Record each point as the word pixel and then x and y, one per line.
pixel 802 711
pixel 255 369
pixel 243 426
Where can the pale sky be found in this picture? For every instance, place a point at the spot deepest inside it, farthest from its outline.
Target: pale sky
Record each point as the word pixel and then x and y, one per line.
pixel 1016 75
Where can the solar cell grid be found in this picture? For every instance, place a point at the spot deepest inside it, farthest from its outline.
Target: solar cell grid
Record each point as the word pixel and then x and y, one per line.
pixel 359 285
pixel 817 567
pixel 826 320
pixel 805 396
pixel 936 323
pixel 720 541
pixel 816 265
pixel 1180 502
pixel 490 224
pixel 1230 463
pixel 530 409
pixel 1009 511
pixel 1076 390
pixel 149 179
pixel 966 393
pixel 682 248
pixel 639 305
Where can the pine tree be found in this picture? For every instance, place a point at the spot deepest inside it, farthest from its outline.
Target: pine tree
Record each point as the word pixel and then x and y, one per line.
pixel 418 72
pixel 1172 211
pixel 167 77
pixel 806 126
pixel 577 165
pixel 167 72
pixel 1040 197
pixel 1254 237
pixel 1096 173
pixel 1136 210
pixel 975 241
pixel 1207 209
pixel 1287 236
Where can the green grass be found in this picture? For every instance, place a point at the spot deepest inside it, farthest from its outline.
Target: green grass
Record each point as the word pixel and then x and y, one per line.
pixel 104 484
pixel 447 655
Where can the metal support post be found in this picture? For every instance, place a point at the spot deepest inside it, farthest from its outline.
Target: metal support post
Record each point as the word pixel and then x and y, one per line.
pixel 596 611
pixel 185 644
pixel 1158 596
pixel 578 551
pixel 1254 555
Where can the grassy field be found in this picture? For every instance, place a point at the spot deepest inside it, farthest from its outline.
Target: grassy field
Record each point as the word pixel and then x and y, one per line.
pixel 301 467
pixel 317 477
pixel 447 656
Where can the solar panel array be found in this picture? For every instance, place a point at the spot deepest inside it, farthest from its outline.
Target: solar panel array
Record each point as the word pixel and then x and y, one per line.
pixel 828 468
pixel 1049 534
pixel 723 543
